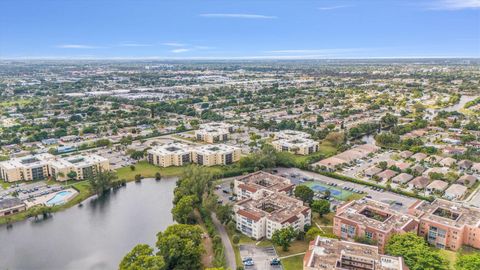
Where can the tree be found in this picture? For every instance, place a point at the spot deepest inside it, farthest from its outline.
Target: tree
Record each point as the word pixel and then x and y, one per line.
pixel 468 262
pixel 416 253
pixel 321 207
pixel 224 213
pixel 158 176
pixel 72 175
pixel 132 167
pixel 304 193
pixel 102 182
pixel 389 120
pixel 137 155
pixel 183 210
pixel 180 245
pixel 236 239
pixel 283 237
pixel 142 257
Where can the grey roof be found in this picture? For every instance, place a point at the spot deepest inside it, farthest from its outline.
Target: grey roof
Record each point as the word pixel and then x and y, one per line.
pixel 11 202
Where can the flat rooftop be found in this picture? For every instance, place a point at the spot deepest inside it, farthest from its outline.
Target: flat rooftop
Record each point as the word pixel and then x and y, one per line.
pixel 448 213
pixel 374 214
pixel 328 254
pixel 275 206
pixel 263 180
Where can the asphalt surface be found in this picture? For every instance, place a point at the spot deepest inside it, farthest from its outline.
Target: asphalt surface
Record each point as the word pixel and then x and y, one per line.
pixel 389 197
pixel 229 253
pixel 261 256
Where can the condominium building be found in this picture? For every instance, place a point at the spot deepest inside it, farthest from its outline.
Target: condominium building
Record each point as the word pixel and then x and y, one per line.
pixel 262 215
pixel 251 185
pixel 332 254
pixel 28 168
pixel 219 154
pixel 447 224
pixel 291 134
pixel 299 146
pixel 214 132
pixel 84 166
pixel 371 220
pixel 171 154
pixel 37 167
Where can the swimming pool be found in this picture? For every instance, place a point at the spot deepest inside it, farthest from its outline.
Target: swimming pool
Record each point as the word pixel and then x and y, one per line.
pixel 59 198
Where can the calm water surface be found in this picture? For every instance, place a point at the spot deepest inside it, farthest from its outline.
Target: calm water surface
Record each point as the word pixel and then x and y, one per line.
pixel 95 236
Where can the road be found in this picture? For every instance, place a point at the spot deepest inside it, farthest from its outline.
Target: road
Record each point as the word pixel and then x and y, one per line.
pixel 229 253
pixel 385 196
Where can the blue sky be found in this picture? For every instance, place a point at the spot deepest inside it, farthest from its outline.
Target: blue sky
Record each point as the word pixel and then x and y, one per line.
pixel 238 29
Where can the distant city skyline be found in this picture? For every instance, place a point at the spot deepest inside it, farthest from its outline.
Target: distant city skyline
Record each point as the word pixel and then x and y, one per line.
pixel 261 29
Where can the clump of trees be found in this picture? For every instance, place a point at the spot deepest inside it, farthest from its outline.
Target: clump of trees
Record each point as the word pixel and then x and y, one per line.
pixel 415 251
pixel 283 237
pixel 179 247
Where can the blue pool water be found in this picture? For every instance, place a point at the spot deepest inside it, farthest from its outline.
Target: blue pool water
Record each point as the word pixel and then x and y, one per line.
pixel 59 198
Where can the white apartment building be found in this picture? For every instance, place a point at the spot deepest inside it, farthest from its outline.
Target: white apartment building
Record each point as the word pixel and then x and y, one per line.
pixel 83 165
pixel 261 217
pixel 214 132
pixel 291 134
pixel 28 168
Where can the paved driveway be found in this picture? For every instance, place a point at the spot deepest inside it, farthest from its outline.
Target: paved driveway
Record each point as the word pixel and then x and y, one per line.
pixel 262 256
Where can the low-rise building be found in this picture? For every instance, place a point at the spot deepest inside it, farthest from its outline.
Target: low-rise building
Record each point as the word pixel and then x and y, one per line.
pixel 262 215
pixel 419 182
pixel 219 154
pixel 171 154
pixel 437 186
pixel 372 220
pixel 296 146
pixel 214 132
pixel 386 175
pixel 447 224
pixel 11 206
pixel 455 192
pixel 467 180
pixel 402 178
pixel 332 254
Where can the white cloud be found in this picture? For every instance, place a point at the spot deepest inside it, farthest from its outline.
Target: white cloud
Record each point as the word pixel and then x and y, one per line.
pixel 182 50
pixel 333 7
pixel 237 16
pixel 133 44
pixel 455 4
pixel 77 46
pixel 174 44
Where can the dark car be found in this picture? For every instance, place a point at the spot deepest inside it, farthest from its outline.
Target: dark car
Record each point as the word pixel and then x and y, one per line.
pixel 275 261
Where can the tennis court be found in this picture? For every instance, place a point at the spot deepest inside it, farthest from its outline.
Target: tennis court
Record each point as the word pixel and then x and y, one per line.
pixel 335 192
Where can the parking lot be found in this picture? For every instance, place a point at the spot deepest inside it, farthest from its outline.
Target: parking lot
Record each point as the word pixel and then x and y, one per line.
pixel 28 191
pixel 398 202
pixel 261 257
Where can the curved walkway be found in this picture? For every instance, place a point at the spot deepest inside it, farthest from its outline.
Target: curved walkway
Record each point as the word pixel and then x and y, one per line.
pixel 229 253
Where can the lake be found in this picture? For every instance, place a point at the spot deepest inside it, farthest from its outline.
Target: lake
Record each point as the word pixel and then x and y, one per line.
pixel 95 236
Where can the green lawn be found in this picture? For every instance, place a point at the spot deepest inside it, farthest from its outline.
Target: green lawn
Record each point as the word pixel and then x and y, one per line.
pixel 297 246
pixel 148 170
pixel 293 263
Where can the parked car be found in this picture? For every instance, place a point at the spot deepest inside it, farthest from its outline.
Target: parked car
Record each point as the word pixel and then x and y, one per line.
pixel 275 261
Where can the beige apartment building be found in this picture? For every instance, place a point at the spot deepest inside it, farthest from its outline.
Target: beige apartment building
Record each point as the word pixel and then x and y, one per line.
pixel 296 146
pixel 371 220
pixel 214 132
pixel 448 225
pixel 84 166
pixel 218 154
pixel 332 254
pixel 41 166
pixel 28 168
pixel 291 134
pixel 172 154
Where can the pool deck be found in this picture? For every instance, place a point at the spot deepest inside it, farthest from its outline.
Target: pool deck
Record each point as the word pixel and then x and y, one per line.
pixel 45 198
